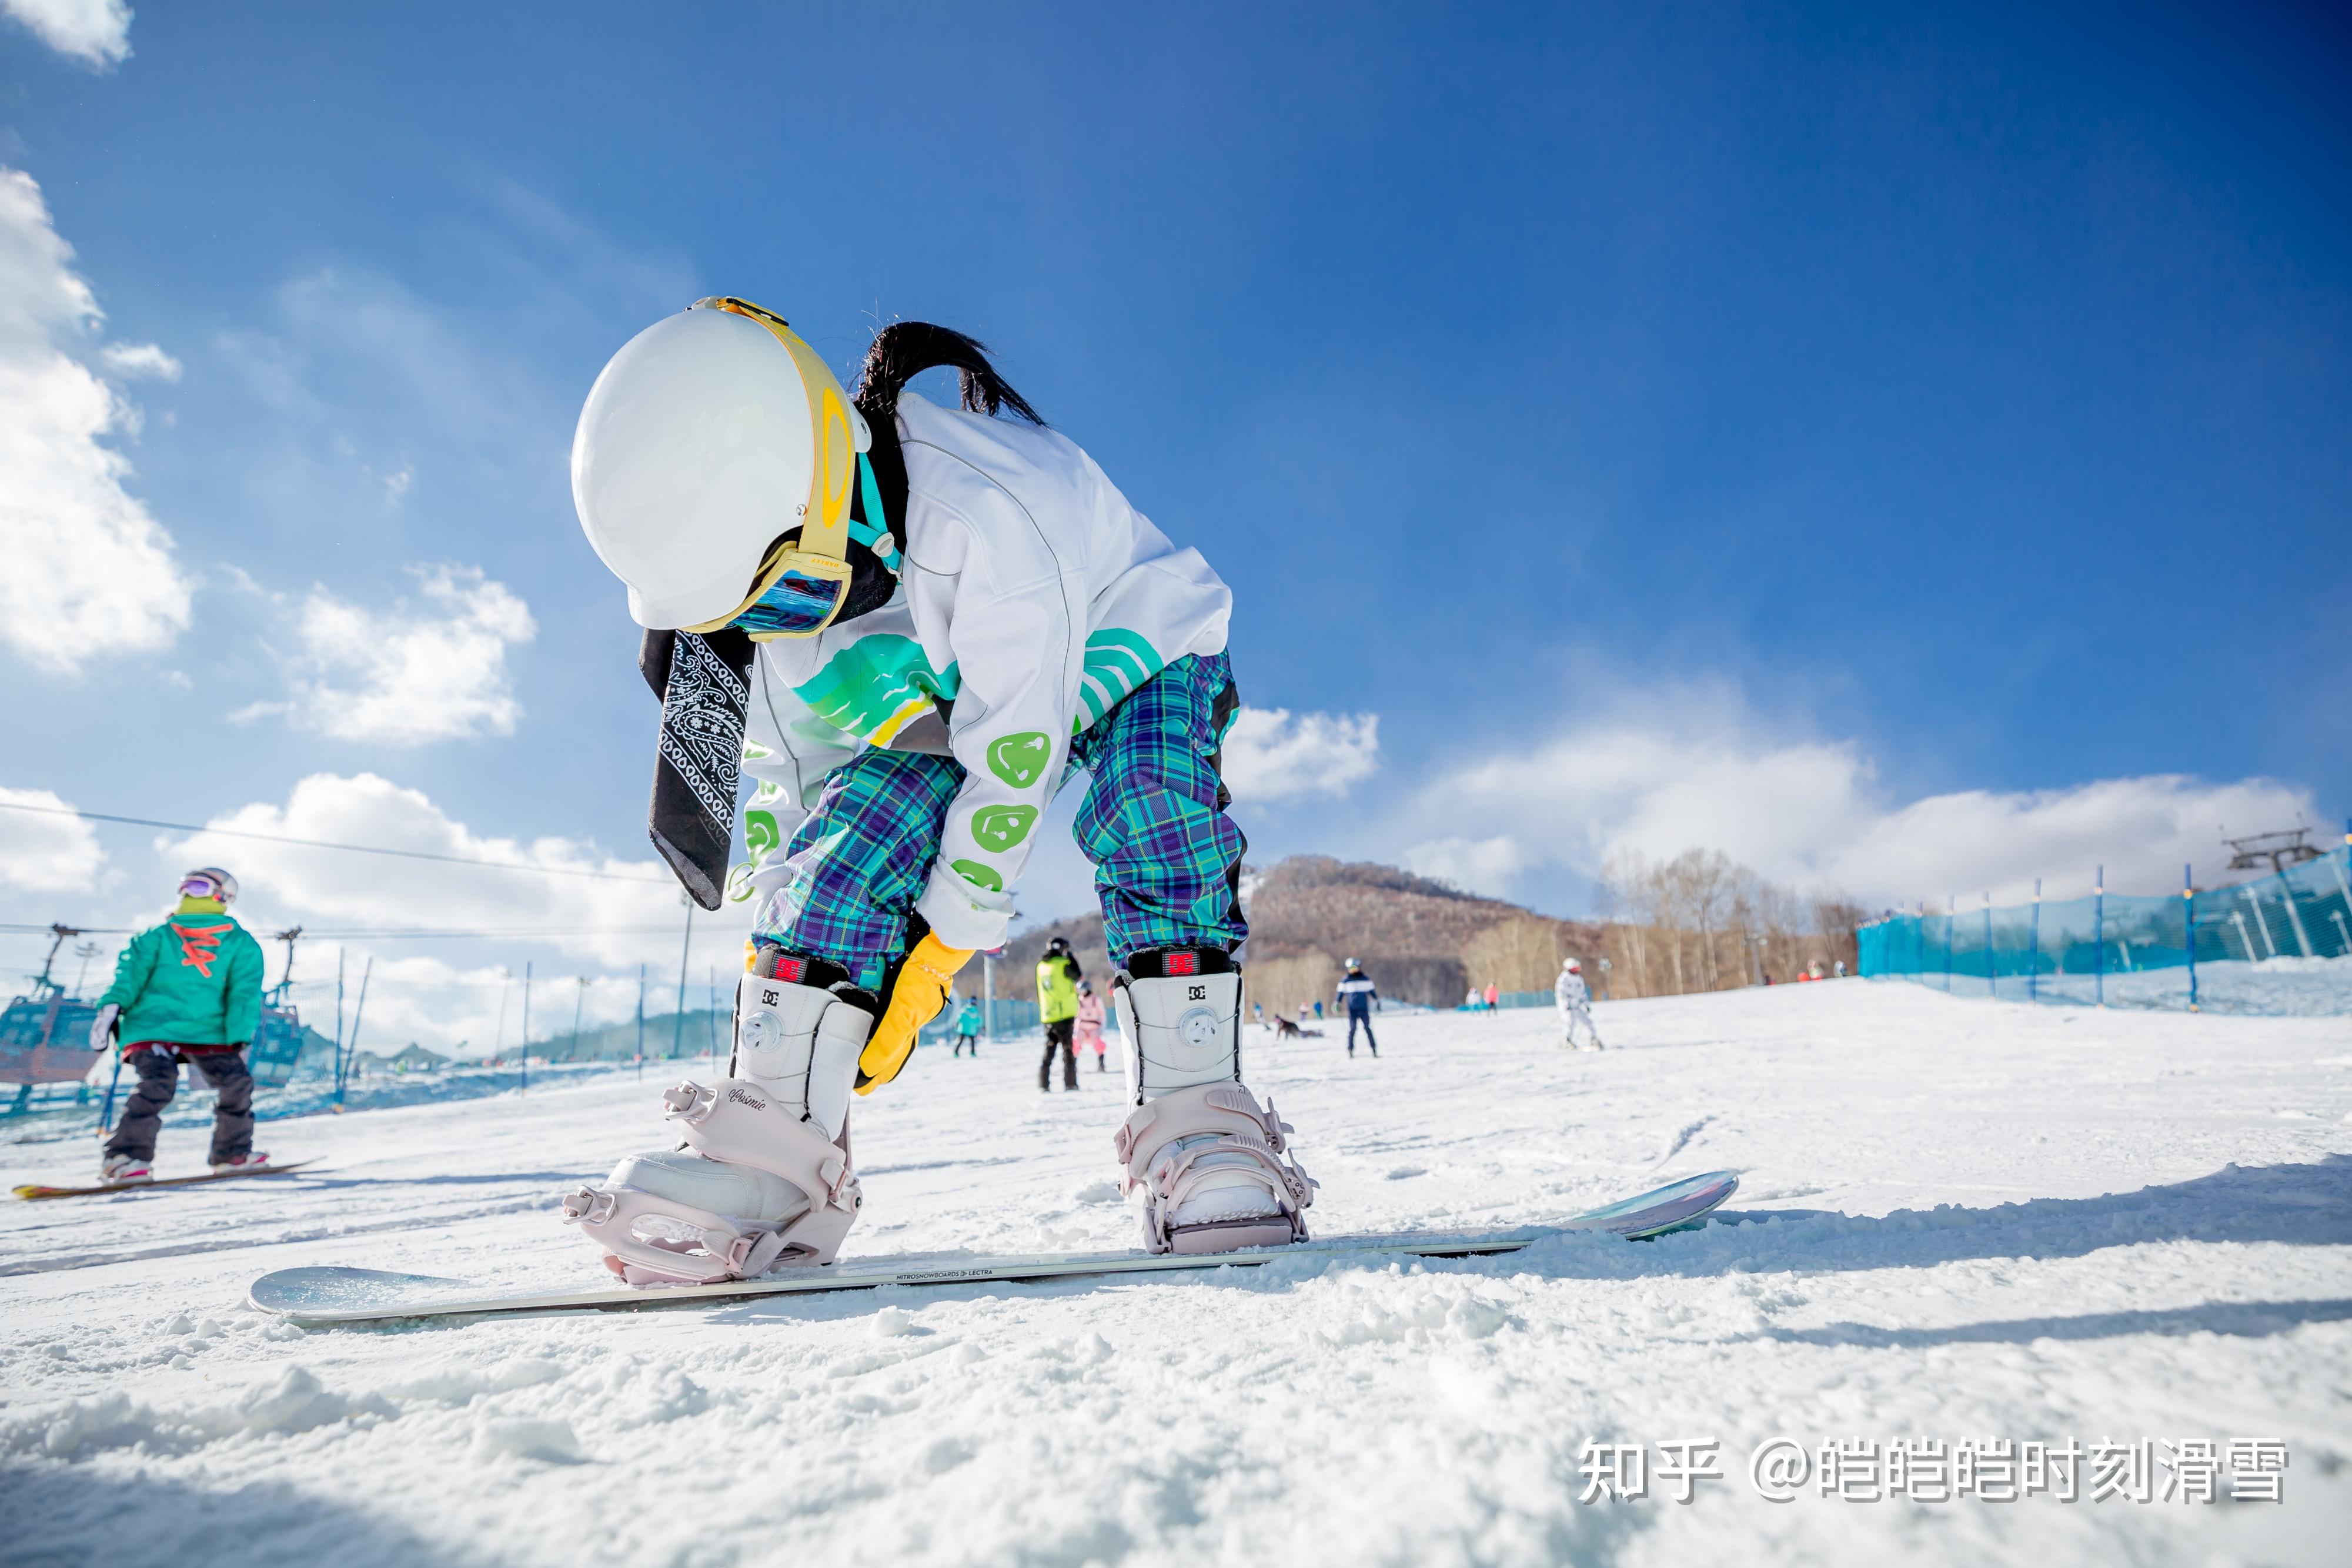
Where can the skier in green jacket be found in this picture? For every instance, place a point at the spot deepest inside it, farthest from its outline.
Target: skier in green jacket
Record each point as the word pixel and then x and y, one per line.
pixel 187 990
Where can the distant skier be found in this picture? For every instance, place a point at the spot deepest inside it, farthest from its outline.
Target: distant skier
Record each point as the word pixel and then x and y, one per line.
pixel 910 625
pixel 187 990
pixel 1090 1022
pixel 1575 1004
pixel 1057 1009
pixel 968 1026
pixel 1494 995
pixel 1356 992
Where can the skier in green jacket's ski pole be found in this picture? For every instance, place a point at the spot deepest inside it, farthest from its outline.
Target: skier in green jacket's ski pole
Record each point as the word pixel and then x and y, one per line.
pixel 187 990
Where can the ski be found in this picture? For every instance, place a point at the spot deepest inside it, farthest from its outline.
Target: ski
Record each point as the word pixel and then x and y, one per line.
pixel 34 1193
pixel 319 1297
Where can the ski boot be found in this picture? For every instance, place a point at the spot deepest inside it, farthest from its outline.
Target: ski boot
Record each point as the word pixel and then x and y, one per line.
pixel 125 1169
pixel 763 1179
pixel 1204 1167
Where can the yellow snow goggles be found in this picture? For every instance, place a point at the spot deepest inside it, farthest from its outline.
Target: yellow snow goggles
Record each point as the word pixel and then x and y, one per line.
pixel 801 585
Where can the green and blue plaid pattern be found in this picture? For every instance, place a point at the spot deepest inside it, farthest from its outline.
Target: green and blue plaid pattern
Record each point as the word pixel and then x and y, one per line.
pixel 859 861
pixel 1152 822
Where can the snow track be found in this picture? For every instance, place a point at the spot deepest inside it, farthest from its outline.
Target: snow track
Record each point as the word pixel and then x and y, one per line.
pixel 1959 1220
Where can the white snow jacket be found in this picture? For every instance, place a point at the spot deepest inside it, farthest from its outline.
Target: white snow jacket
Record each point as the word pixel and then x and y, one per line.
pixel 1033 598
pixel 1570 992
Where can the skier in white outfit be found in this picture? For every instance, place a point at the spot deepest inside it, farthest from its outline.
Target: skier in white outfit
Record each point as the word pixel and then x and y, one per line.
pixel 911 623
pixel 1575 1004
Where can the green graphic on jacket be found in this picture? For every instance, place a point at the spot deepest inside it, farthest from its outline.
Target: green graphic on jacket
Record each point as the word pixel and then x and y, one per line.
pixel 977 874
pixel 760 833
pixel 876 685
pixel 1020 760
pixel 1002 827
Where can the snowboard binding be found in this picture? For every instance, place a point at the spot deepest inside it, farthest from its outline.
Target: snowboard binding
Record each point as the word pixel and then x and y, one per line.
pixel 1205 1165
pixel 763 1178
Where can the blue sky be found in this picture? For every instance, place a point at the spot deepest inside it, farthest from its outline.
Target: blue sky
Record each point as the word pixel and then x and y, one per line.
pixel 1906 451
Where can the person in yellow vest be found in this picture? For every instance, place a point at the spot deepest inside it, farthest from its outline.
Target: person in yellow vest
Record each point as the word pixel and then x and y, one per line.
pixel 187 990
pixel 1058 1005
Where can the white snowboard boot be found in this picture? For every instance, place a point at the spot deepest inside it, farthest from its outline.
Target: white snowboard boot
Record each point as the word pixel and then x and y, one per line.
pixel 1204 1166
pixel 125 1168
pixel 764 1177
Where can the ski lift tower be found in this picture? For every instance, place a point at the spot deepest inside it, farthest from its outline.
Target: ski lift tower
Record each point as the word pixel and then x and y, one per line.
pixel 2278 850
pixel 278 1041
pixel 42 984
pixel 286 979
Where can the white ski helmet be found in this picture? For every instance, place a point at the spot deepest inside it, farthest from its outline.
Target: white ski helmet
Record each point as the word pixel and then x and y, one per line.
pixel 1574 968
pixel 711 434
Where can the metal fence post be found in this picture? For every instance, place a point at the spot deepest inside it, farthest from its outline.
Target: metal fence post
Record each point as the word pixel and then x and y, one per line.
pixel 2033 948
pixel 2099 933
pixel 1992 985
pixel 1951 918
pixel 2189 929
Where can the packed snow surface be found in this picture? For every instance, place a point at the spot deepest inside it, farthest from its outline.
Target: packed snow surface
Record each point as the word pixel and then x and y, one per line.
pixel 1960 1220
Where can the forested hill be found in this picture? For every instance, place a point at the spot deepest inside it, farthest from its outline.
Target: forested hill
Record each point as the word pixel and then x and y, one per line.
pixel 1421 940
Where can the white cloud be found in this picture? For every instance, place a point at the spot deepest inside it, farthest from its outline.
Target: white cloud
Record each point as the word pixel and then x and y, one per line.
pixel 43 853
pixel 1813 813
pixel 1271 755
pixel 95 32
pixel 134 361
pixel 84 569
pixel 1468 863
pixel 595 919
pixel 403 677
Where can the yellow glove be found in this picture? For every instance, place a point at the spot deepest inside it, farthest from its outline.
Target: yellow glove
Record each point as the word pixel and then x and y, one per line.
pixel 924 982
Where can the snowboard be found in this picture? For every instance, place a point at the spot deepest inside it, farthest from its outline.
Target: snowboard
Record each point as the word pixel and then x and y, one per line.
pixel 316 1297
pixel 33 1192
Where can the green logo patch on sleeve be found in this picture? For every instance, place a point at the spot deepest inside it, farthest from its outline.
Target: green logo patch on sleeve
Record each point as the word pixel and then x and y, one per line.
pixel 1020 760
pixel 977 874
pixel 1002 827
pixel 760 833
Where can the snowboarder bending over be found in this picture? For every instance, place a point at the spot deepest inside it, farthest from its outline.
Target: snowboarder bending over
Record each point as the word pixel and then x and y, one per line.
pixel 911 623
pixel 187 990
pixel 1575 1005
pixel 1058 1005
pixel 1090 1022
pixel 1357 991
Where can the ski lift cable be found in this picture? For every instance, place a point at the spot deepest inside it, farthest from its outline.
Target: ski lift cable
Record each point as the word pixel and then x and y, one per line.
pixel 329 845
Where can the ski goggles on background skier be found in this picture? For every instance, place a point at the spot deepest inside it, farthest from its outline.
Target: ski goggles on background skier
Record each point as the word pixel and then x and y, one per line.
pixel 798 592
pixel 196 884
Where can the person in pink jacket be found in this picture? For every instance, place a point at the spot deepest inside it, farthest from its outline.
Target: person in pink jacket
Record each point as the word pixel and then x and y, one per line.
pixel 1090 1022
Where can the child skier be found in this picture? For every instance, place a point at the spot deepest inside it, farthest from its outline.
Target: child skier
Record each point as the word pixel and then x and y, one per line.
pixel 967 1024
pixel 1358 992
pixel 1058 1006
pixel 1090 1021
pixel 187 990
pixel 911 623
pixel 1575 1004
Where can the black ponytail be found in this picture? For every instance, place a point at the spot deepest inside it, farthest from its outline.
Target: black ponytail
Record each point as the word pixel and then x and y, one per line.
pixel 901 352
pixel 905 349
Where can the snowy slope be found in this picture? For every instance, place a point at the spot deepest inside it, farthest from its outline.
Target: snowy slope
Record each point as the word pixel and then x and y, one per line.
pixel 1990 1220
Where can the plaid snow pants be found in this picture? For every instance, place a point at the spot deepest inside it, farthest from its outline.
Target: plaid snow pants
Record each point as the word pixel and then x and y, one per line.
pixel 1167 858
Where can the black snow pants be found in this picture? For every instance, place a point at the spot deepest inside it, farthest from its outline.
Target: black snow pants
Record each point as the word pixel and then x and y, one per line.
pixel 963 1040
pixel 1355 1018
pixel 159 1079
pixel 1060 1035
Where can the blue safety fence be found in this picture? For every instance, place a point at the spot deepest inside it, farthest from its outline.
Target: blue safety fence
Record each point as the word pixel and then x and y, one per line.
pixel 2278 945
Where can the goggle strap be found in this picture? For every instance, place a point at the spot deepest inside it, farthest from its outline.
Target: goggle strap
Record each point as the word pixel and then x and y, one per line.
pixel 874 525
